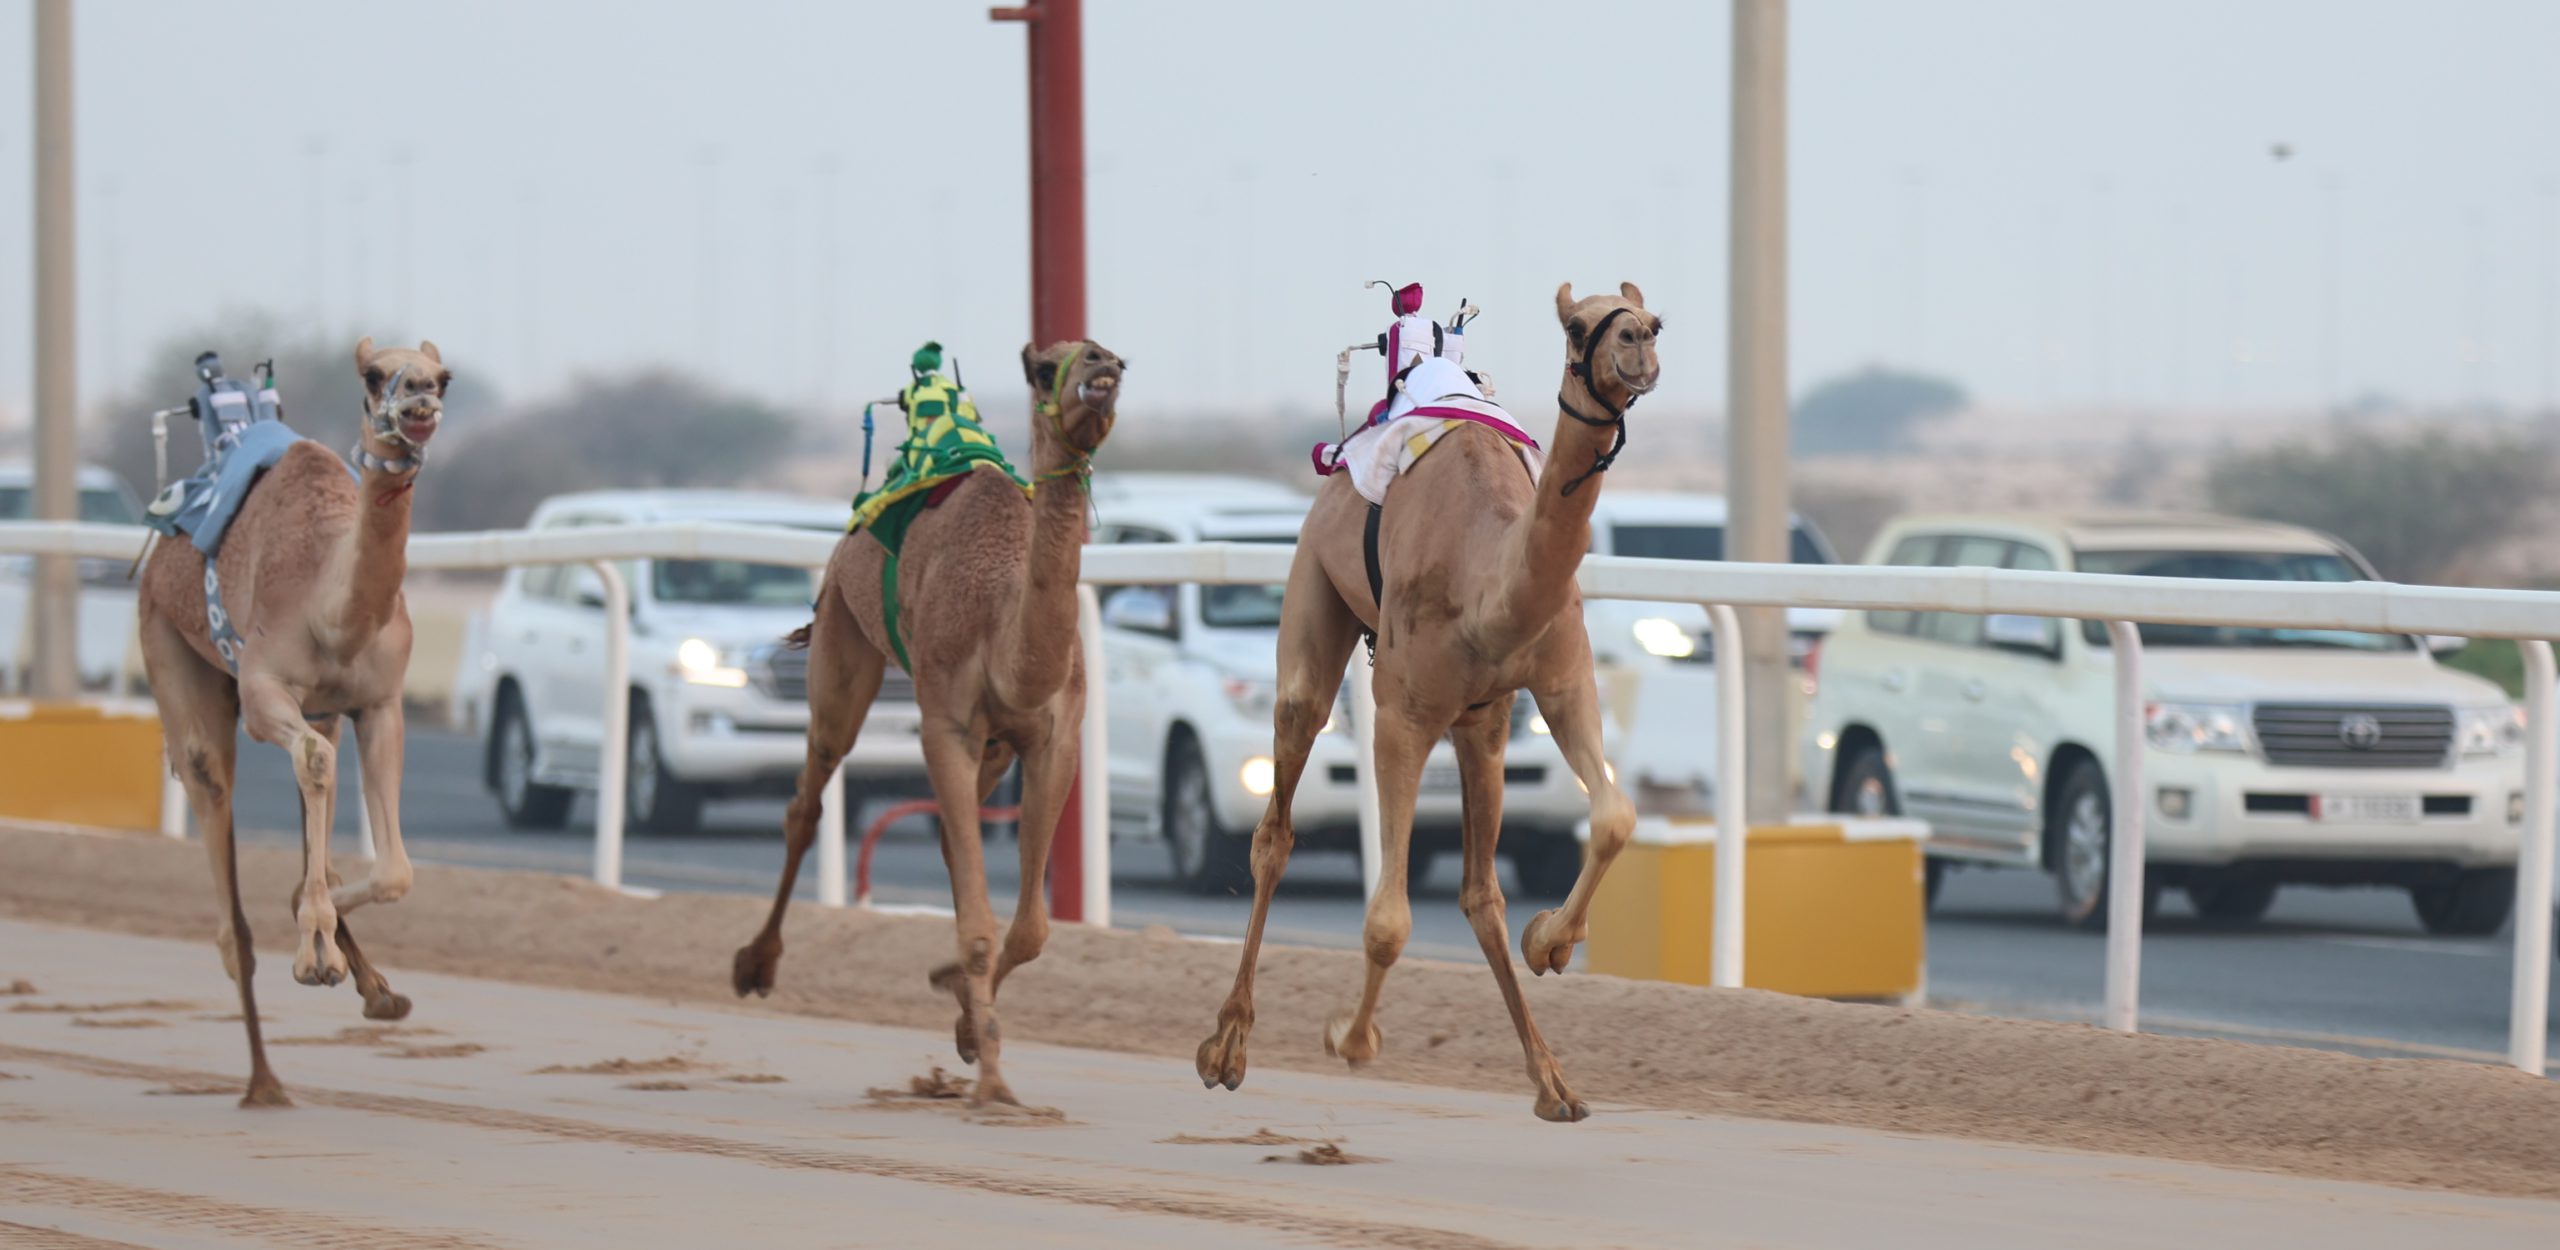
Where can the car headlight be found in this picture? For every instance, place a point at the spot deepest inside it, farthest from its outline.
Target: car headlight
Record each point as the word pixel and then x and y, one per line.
pixel 2186 728
pixel 1251 698
pixel 703 664
pixel 1662 636
pixel 2487 732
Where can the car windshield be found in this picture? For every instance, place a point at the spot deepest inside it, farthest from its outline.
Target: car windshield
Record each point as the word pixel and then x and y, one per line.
pixel 98 505
pixel 1243 607
pixel 730 582
pixel 1698 542
pixel 2287 566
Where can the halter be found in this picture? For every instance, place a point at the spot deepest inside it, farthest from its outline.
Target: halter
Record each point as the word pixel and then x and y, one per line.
pixel 1617 416
pixel 1079 463
pixel 383 423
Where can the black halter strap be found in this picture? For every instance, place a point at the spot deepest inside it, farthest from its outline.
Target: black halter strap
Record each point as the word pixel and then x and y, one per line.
pixel 1617 416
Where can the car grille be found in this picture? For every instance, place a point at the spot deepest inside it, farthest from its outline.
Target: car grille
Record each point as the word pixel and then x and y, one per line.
pixel 782 673
pixel 2339 735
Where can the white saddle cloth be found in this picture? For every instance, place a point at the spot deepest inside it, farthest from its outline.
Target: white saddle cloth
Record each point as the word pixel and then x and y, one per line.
pixel 1375 456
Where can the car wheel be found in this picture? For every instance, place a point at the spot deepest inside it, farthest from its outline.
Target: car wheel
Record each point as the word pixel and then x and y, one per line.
pixel 654 801
pixel 2474 904
pixel 526 803
pixel 1866 788
pixel 2080 828
pixel 1207 859
pixel 1548 866
pixel 1934 875
pixel 2231 896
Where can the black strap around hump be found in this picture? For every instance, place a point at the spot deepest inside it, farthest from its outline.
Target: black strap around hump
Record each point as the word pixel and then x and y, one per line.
pixel 1377 577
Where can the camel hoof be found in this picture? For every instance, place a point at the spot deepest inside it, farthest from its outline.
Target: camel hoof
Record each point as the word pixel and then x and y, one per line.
pixel 387 1006
pixel 1221 1060
pixel 264 1093
pixel 753 968
pixel 1565 1110
pixel 992 1090
pixel 1546 949
pixel 964 1035
pixel 1342 1044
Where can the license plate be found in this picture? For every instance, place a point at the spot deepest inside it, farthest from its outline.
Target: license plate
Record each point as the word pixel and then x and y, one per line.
pixel 2391 809
pixel 1440 779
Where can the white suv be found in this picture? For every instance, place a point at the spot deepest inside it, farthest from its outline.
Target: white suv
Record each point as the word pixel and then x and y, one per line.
pixel 2277 756
pixel 719 708
pixel 1190 672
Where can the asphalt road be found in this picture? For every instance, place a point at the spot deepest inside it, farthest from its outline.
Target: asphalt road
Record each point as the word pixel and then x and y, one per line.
pixel 2344 968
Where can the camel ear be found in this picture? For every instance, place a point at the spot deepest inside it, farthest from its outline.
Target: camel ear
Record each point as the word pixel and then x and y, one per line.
pixel 364 353
pixel 1027 374
pixel 1564 303
pixel 1634 296
pixel 427 348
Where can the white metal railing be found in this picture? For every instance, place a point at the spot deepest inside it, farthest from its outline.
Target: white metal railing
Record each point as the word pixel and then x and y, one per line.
pixel 2529 617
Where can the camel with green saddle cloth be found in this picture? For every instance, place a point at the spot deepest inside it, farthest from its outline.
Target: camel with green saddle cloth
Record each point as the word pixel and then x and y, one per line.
pixel 966 575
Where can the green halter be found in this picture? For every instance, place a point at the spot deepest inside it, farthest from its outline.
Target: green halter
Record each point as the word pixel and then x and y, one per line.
pixel 1080 463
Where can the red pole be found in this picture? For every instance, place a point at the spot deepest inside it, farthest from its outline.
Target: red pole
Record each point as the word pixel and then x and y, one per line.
pixel 1056 39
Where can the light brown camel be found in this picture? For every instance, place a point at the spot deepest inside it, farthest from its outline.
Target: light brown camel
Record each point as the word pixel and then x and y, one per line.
pixel 987 595
pixel 1478 573
pixel 310 572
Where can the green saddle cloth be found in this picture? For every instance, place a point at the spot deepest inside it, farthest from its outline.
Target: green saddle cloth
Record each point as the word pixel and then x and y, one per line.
pixel 944 441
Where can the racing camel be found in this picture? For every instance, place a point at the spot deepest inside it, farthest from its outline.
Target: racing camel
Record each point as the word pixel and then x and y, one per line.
pixel 306 628
pixel 979 605
pixel 1476 562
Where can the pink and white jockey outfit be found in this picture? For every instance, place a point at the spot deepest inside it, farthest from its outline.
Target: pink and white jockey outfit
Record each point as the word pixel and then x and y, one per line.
pixel 1429 393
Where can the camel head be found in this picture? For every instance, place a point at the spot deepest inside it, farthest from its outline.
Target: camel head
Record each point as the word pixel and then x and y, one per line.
pixel 1076 385
pixel 404 395
pixel 1613 335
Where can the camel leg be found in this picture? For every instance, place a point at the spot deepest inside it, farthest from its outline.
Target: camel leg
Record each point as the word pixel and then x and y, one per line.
pixel 1573 714
pixel 1317 634
pixel 844 677
pixel 1402 742
pixel 951 756
pixel 274 716
pixel 379 735
pixel 200 713
pixel 1048 769
pixel 1479 741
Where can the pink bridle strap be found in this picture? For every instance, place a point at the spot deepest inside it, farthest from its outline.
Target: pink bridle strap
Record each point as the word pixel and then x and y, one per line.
pixel 1496 424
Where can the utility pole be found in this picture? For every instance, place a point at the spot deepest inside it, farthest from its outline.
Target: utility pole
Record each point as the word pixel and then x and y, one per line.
pixel 1056 40
pixel 55 660
pixel 1756 382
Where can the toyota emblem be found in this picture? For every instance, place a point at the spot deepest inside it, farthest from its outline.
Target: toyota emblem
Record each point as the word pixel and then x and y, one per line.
pixel 2360 732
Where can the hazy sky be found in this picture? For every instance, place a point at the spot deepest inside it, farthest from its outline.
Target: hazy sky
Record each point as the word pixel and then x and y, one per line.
pixel 2056 201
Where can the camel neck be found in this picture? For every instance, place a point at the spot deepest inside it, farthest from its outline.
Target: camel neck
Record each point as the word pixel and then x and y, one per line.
pixel 1552 537
pixel 1044 626
pixel 377 552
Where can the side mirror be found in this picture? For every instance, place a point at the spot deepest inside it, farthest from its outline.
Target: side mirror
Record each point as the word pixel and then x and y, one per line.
pixel 2009 631
pixel 1140 609
pixel 2446 644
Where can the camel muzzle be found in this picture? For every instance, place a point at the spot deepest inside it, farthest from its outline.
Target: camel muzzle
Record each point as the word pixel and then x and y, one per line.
pixel 1100 393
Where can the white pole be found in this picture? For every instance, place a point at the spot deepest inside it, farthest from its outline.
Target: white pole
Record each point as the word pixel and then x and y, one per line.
pixel 1364 746
pixel 1756 528
pixel 364 814
pixel 2124 843
pixel 831 821
pixel 2528 1038
pixel 613 768
pixel 1093 768
pixel 54 639
pixel 173 805
pixel 1733 824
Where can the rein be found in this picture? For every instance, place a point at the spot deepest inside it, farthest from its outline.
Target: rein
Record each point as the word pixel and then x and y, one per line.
pixel 383 422
pixel 1617 416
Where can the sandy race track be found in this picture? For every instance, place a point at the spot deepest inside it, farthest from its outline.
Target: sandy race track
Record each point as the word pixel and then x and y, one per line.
pixel 448 1131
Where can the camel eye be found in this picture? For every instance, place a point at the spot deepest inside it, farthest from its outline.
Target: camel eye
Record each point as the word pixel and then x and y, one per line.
pixel 1626 336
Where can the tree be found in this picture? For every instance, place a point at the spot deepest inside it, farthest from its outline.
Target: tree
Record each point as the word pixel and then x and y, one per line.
pixel 1875 409
pixel 2416 503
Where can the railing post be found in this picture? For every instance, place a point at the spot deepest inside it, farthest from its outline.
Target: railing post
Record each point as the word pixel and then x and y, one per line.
pixel 364 816
pixel 2124 837
pixel 1093 768
pixel 2528 1035
pixel 1733 824
pixel 1364 745
pixel 173 802
pixel 831 821
pixel 613 768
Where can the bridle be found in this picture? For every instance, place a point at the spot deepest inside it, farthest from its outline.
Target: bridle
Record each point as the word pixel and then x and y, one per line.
pixel 1079 463
pixel 1617 417
pixel 383 423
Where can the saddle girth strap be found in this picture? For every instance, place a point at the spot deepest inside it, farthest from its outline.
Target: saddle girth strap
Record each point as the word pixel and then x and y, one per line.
pixel 1377 577
pixel 889 608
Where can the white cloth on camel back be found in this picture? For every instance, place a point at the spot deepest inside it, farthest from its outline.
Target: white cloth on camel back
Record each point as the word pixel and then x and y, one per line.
pixel 1375 455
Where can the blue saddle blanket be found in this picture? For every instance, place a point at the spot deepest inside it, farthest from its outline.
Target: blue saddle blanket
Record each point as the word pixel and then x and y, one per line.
pixel 202 504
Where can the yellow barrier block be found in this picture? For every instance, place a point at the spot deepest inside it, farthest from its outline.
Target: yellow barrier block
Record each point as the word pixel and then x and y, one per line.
pixel 78 764
pixel 1831 908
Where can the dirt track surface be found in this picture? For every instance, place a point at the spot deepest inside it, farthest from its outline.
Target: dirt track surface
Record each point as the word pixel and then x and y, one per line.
pixel 2412 1122
pixel 547 1118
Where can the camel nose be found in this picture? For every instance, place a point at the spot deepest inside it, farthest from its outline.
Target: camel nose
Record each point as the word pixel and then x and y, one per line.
pixel 419 423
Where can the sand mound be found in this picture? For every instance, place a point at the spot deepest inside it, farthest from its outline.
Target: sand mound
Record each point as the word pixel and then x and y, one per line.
pixel 2420 1122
